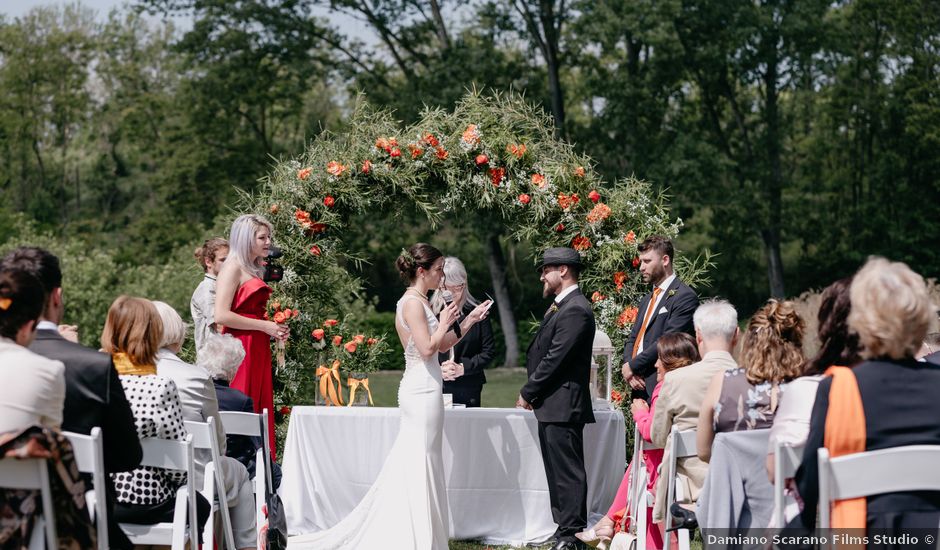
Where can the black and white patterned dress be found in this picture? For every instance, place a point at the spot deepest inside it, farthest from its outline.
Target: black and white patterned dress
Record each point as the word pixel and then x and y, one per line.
pixel 157 412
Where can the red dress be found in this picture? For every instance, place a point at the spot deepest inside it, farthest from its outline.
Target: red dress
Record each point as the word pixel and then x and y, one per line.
pixel 254 376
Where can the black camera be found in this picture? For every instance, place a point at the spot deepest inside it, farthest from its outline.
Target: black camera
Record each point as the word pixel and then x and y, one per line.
pixel 273 272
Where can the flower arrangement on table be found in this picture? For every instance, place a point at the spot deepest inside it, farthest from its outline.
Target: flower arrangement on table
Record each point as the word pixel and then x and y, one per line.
pixel 343 352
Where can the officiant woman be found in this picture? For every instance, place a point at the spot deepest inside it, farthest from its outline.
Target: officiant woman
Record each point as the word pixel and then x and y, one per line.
pixel 463 375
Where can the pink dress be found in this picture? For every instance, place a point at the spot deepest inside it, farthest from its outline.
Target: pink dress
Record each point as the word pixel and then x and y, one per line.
pixel 651 459
pixel 254 376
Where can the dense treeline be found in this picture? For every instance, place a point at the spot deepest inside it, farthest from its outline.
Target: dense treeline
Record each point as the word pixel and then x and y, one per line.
pixel 795 137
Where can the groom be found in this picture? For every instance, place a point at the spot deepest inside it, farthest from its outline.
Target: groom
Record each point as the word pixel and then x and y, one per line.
pixel 559 365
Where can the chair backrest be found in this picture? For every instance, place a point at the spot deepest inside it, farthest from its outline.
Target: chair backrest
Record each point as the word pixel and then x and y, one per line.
pixel 875 472
pixel 681 445
pixel 204 436
pixel 89 457
pixel 253 425
pixel 32 474
pixel 787 459
pixel 175 455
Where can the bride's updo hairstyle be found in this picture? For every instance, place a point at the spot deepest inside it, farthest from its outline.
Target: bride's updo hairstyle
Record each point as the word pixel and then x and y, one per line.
pixel 418 255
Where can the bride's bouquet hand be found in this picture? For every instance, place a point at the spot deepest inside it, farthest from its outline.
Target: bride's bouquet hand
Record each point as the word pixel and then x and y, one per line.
pixel 480 312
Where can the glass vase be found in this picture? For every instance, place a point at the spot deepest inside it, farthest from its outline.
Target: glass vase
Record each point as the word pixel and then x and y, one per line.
pixel 359 381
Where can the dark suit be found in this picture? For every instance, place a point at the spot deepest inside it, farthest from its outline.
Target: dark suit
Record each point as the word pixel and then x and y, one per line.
pixel 901 408
pixel 559 366
pixel 94 397
pixel 242 447
pixel 680 303
pixel 475 350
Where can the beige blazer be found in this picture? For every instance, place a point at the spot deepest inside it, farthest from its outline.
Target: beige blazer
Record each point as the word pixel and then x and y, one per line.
pixel 32 388
pixel 678 405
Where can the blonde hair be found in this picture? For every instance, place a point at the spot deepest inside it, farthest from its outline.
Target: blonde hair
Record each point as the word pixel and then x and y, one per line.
pixel 133 327
pixel 242 237
pixel 174 329
pixel 772 348
pixel 221 355
pixel 891 309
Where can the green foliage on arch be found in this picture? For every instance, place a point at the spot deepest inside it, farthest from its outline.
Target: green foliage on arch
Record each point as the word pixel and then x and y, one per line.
pixel 493 157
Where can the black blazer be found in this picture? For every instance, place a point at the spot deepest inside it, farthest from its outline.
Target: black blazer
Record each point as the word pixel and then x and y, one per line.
pixel 901 408
pixel 475 350
pixel 680 302
pixel 559 363
pixel 94 396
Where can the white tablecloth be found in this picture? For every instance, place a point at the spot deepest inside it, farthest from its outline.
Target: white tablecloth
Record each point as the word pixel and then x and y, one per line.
pixel 496 487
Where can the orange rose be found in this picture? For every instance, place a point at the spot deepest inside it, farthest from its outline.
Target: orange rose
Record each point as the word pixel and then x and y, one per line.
pixel 336 169
pixel 279 317
pixel 524 199
pixel 619 278
pixel 482 159
pixel 366 166
pixel 497 175
pixel 276 306
pixel 330 323
pixel 636 261
pixel 594 196
pixel 599 213
pixel 395 152
pixel 359 338
pixel 371 341
pixel 538 180
pixel 318 333
pixel 471 136
pixel 517 151
pixel 351 347
pixel 560 227
pixel 288 313
pixel 329 201
pixel 630 238
pixel 597 297
pixel 441 153
pixel 275 208
pixel 381 143
pixel 304 173
pixel 337 340
pixel 580 243
pixel 415 151
pixel 431 140
pixel 579 171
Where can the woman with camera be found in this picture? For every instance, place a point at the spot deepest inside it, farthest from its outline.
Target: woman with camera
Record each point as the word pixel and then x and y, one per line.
pixel 240 306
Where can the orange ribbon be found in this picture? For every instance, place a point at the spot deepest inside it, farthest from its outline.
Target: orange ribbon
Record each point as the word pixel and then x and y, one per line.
pixel 333 395
pixel 354 384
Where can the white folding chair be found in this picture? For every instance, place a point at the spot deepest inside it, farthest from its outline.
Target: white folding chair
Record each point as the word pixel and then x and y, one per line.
pixel 33 474
pixel 875 472
pixel 787 459
pixel 639 498
pixel 213 482
pixel 89 457
pixel 682 446
pixel 254 425
pixel 170 455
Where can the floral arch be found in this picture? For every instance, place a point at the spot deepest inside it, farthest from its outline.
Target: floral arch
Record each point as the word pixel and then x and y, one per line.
pixel 492 153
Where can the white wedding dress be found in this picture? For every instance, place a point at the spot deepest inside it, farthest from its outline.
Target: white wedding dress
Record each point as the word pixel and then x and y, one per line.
pixel 406 507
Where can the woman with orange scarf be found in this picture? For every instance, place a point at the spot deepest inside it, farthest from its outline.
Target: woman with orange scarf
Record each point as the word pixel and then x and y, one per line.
pixel 888 400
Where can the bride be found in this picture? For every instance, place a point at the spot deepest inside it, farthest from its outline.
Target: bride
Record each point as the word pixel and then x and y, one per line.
pixel 406 507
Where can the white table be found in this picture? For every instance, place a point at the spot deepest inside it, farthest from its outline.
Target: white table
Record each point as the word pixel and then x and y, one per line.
pixel 493 468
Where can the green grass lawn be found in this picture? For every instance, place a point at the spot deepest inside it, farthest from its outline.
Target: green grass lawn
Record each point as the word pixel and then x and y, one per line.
pixel 501 388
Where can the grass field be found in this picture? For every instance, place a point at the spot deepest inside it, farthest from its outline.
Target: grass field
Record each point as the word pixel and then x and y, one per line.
pixel 501 389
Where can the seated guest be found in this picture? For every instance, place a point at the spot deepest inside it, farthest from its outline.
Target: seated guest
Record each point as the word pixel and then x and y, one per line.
pixel 716 330
pixel 888 400
pixel 674 351
pixel 220 356
pixel 210 256
pixel 132 334
pixel 33 389
pixel 746 397
pixel 838 346
pixel 93 393
pixel 197 395
pixel 463 374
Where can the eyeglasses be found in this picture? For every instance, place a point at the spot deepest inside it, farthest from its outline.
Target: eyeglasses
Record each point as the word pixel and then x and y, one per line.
pixel 455 288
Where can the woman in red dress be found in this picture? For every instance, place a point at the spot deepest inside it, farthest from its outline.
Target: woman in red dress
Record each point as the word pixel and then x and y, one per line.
pixel 241 298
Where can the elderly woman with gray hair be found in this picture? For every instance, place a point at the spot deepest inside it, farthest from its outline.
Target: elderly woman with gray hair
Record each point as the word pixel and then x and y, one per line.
pixel 198 397
pixel 463 369
pixel 220 356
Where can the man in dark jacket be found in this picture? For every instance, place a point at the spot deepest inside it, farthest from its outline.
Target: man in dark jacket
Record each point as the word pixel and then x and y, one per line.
pixel 558 390
pixel 93 393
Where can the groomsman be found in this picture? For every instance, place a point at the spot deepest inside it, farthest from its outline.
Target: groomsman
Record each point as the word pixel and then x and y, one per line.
pixel 668 308
pixel 559 365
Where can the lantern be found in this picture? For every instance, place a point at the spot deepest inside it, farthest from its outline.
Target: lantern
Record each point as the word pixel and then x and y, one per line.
pixel 602 368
